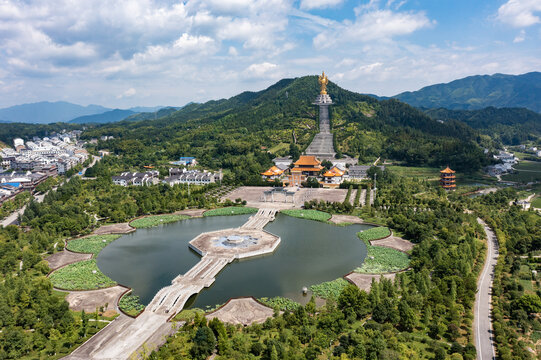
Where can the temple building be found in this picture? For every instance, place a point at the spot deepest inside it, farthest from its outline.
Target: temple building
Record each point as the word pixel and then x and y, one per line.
pixel 273 173
pixel 447 179
pixel 333 177
pixel 306 166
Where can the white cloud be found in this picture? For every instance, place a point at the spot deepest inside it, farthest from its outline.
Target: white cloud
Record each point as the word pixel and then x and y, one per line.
pixel 520 37
pixel 265 69
pixel 520 13
pixel 319 4
pixel 373 24
pixel 128 93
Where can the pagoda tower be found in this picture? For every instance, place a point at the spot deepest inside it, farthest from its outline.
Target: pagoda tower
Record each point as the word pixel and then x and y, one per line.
pixel 448 179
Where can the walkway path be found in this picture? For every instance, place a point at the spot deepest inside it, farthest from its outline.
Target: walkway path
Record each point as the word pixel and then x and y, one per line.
pixel 322 145
pixel 482 328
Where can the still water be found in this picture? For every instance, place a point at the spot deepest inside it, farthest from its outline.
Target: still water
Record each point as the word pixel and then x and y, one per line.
pixel 310 252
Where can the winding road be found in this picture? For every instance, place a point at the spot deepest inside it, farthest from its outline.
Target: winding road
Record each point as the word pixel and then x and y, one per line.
pixel 482 326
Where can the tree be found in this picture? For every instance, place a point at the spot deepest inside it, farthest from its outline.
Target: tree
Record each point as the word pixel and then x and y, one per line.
pixel 204 343
pixel 354 301
pixel 408 318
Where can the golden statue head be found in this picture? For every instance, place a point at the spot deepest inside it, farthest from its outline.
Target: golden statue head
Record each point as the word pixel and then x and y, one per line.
pixel 323 81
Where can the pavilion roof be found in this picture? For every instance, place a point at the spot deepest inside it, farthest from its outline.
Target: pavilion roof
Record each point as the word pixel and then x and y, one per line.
pixel 308 160
pixel 334 171
pixel 273 171
pixel 447 170
pixel 300 169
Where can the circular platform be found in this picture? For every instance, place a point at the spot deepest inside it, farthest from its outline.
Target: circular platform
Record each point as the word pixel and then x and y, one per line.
pixel 237 243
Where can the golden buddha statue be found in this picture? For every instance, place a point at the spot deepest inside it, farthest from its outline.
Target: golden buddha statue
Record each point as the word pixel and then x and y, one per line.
pixel 323 81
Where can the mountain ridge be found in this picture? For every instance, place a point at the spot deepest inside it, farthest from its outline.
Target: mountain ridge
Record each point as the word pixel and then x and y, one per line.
pixel 480 91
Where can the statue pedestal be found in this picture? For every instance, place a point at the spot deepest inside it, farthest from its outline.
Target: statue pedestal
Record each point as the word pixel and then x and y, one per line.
pixel 323 99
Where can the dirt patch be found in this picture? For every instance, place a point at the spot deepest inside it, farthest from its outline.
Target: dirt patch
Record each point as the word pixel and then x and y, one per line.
pixel 109 313
pixel 249 193
pixel 332 195
pixel 245 311
pixel 64 258
pixel 192 212
pixel 364 281
pixel 89 300
pixel 394 242
pixel 341 219
pixel 122 228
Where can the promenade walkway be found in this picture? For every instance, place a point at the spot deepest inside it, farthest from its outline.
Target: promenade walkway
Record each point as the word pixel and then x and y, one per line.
pixel 125 336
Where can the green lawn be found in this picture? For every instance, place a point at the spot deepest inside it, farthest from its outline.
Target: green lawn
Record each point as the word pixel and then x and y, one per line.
pixel 82 275
pixel 91 244
pixel 416 172
pixel 308 214
pixel 374 233
pixel 156 220
pixel 278 147
pixel 231 210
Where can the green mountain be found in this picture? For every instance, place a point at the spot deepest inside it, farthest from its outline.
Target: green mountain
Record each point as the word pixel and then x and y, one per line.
pixel 239 133
pixel 106 117
pixel 151 115
pixel 477 92
pixel 511 125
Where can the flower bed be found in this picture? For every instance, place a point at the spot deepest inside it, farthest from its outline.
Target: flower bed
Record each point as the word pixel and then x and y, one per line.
pixel 82 275
pixel 130 305
pixel 231 210
pixel 329 289
pixel 308 214
pixel 156 220
pixel 91 244
pixel 374 233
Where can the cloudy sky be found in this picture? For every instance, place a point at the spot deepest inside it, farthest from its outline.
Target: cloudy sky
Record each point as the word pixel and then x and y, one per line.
pixel 157 52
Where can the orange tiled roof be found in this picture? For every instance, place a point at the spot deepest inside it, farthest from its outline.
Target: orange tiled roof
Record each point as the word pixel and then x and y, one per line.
pixel 316 169
pixel 334 171
pixel 447 170
pixel 273 171
pixel 307 160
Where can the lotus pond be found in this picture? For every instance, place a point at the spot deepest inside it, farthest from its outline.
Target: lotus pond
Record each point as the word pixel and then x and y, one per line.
pixel 311 252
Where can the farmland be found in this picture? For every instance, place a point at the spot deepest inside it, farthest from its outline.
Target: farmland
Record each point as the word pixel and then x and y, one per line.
pixel 526 171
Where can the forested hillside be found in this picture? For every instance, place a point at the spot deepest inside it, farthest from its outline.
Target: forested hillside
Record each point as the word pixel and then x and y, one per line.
pixel 236 134
pixel 510 125
pixel 480 91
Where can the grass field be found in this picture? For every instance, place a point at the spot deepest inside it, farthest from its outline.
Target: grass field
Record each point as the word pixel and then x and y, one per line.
pixel 308 214
pixel 527 171
pixel 416 172
pixel 536 203
pixel 231 210
pixel 91 244
pixel 278 147
pixel 83 275
pixel 156 220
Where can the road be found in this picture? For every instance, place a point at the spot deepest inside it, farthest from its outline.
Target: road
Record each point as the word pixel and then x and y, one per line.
pixel 482 325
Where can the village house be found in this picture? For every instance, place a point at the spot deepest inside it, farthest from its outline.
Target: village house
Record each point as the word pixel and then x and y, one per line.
pixel 194 177
pixel 137 178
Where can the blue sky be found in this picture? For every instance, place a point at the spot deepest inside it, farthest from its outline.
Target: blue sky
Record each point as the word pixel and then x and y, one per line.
pixel 158 52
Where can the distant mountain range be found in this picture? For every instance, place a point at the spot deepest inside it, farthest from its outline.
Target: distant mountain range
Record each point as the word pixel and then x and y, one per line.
pixel 46 112
pixel 480 91
pixel 106 117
